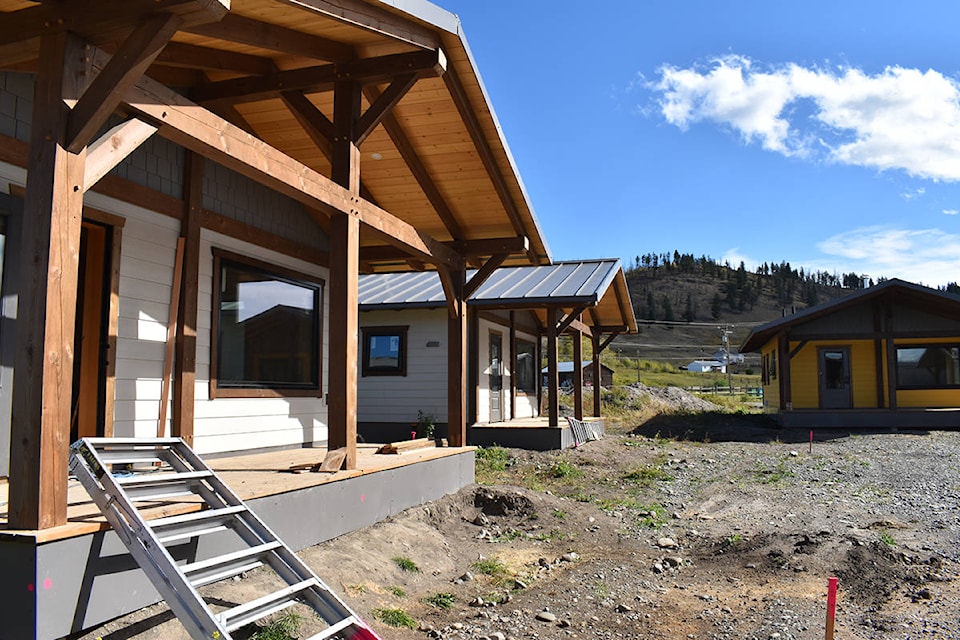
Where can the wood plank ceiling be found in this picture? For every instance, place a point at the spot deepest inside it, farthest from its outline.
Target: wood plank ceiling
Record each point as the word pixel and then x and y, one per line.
pixel 434 157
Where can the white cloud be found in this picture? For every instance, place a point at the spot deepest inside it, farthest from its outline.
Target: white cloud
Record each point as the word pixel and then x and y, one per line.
pixel 951 212
pixel 735 257
pixel 916 193
pixel 928 256
pixel 901 119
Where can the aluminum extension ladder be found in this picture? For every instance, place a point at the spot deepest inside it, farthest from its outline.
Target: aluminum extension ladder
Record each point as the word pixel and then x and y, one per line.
pixel 118 473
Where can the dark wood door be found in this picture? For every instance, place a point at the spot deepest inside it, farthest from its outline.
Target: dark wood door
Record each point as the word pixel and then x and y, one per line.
pixel 836 391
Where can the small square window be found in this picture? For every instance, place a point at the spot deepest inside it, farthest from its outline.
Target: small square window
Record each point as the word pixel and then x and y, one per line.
pixel 384 351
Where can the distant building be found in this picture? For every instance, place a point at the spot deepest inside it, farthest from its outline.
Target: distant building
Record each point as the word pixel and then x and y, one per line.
pixel 707 366
pixel 565 373
pixel 728 358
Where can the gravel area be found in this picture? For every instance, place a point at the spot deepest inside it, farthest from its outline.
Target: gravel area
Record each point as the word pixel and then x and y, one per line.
pixel 694 526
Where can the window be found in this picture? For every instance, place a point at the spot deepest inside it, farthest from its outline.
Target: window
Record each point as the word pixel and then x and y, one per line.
pixel 384 351
pixel 266 330
pixel 928 367
pixel 526 367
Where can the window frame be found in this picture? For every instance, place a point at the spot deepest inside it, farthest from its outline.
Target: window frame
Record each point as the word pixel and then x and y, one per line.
pixel 532 390
pixel 924 345
pixel 385 330
pixel 282 274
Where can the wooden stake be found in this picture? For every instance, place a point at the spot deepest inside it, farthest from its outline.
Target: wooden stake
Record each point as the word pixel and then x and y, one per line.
pixel 831 606
pixel 171 335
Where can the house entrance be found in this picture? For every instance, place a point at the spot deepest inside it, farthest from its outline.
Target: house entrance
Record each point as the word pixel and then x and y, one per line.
pixel 834 374
pixel 496 377
pixel 91 354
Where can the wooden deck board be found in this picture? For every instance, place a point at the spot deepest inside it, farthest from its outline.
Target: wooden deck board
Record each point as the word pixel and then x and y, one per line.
pixel 250 476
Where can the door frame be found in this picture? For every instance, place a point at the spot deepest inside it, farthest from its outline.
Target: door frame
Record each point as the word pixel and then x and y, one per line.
pixel 499 392
pixel 847 373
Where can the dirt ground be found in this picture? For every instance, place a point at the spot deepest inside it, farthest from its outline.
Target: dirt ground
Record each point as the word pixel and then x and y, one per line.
pixel 693 525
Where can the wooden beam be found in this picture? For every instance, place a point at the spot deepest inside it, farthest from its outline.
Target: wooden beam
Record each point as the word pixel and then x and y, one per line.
pixel 181 54
pixel 112 147
pixel 569 319
pixel 420 173
pixel 185 371
pixel 102 21
pixel 578 326
pixel 322 78
pixel 606 342
pixel 374 19
pixel 50 246
pixel 247 233
pixel 202 131
pixel 343 313
pixel 125 67
pixel 345 163
pixel 482 274
pixel 236 28
pixel 169 347
pixel 382 105
pixel 465 248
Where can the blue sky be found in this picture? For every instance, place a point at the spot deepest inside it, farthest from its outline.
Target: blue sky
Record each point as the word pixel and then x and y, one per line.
pixel 826 134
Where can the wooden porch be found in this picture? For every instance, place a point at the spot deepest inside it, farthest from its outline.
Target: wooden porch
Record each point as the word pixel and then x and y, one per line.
pixel 526 433
pixel 67 578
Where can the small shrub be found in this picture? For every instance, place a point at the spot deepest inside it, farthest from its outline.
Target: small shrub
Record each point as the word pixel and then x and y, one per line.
pixel 426 424
pixel 398 592
pixel 887 538
pixel 285 626
pixel 406 564
pixel 564 469
pixel 647 475
pixel 492 567
pixel 395 618
pixel 492 458
pixel 441 600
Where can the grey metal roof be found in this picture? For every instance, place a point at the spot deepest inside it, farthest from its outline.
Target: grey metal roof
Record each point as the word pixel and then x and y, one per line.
pixel 574 282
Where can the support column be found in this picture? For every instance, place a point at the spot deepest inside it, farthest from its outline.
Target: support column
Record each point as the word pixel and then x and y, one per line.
pixel 50 242
pixel 457 362
pixel 553 377
pixel 344 270
pixel 597 374
pixel 578 374
pixel 342 385
pixel 185 369
pixel 783 356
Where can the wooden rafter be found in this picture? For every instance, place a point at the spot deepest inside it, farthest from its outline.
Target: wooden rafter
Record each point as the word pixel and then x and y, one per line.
pixel 322 78
pixel 374 19
pixel 380 108
pixel 569 319
pixel 485 152
pixel 420 173
pixel 466 248
pixel 204 132
pixel 181 54
pixel 236 28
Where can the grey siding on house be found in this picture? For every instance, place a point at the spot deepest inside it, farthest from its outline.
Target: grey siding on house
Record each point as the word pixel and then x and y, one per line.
pixel 16 104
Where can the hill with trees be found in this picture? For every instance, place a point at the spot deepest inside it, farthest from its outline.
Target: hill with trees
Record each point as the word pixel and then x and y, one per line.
pixel 685 305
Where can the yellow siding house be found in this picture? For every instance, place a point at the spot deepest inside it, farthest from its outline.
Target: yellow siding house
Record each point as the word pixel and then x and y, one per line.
pixel 883 357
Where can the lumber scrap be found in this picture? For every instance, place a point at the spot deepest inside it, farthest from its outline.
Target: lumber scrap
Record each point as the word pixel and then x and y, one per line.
pixel 405 446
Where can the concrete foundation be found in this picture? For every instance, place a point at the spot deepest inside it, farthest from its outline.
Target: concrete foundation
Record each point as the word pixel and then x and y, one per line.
pixel 57 588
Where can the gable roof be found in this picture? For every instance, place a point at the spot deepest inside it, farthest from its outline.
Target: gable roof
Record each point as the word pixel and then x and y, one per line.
pixel 916 295
pixel 437 160
pixel 598 284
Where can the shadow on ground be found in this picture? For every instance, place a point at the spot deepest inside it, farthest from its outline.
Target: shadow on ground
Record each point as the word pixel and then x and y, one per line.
pixel 734 427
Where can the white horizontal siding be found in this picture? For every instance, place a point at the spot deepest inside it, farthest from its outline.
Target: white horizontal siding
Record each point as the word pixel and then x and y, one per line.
pixel 424 388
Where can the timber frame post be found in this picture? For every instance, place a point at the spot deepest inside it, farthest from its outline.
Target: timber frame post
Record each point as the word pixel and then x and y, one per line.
pixel 50 245
pixel 553 376
pixel 597 374
pixel 344 267
pixel 578 373
pixel 454 283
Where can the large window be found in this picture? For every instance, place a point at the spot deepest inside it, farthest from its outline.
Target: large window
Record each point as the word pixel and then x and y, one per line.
pixel 266 330
pixel 928 366
pixel 384 351
pixel 526 374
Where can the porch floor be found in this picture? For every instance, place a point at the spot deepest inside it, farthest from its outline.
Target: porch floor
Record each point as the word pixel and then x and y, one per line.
pixel 254 475
pixel 525 433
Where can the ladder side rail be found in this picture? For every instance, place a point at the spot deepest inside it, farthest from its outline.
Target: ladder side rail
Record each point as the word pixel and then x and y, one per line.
pixel 290 567
pixel 182 598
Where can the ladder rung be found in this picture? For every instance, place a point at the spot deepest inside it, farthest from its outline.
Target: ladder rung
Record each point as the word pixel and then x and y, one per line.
pixel 334 629
pixel 227 566
pixel 261 607
pixel 130 456
pixel 154 479
pixel 191 525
